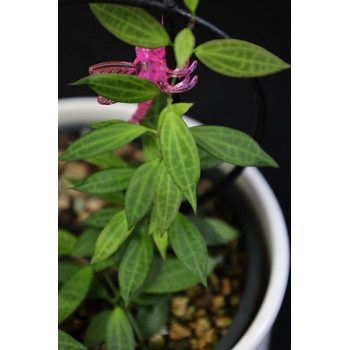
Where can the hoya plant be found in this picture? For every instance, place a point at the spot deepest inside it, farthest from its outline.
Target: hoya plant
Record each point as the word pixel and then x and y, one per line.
pixel 134 254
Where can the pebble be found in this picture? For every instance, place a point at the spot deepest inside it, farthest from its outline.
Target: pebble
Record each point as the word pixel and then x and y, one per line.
pixel 222 321
pixel 178 332
pixel 214 282
pixel 201 326
pixel 179 306
pixel 63 202
pixel 208 340
pixel 217 302
pixel 225 287
pixel 156 342
pixel 93 204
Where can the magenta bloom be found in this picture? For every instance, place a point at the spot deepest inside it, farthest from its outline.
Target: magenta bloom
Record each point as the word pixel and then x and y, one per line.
pixel 149 64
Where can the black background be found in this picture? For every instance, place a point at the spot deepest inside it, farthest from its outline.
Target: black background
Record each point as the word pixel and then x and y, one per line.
pixel 218 100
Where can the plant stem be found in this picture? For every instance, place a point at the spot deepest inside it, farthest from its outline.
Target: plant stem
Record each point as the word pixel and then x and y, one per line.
pixel 112 286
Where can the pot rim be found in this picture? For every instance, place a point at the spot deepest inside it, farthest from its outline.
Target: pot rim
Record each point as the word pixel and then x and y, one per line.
pixel 259 195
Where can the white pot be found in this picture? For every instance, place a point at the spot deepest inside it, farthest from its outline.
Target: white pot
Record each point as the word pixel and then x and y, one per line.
pixel 78 111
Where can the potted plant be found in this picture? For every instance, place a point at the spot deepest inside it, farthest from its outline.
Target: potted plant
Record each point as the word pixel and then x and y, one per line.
pixel 132 240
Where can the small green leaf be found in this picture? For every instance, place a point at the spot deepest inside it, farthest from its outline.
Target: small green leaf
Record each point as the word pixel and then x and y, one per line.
pixel 107 160
pixel 101 218
pixel 174 276
pixel 150 145
pixel 153 224
pixel 183 46
pixel 85 244
pixel 167 198
pixel 179 108
pixel 191 5
pixel 161 242
pixel 102 140
pixel 139 194
pixel 180 155
pixel 106 263
pixel 106 181
pixel 133 25
pixel 96 330
pixel 189 246
pixel 103 123
pixel 238 58
pixel 231 146
pixel 73 292
pixel 152 318
pixel 215 231
pixel 111 237
pixel 114 197
pixel 207 160
pixel 150 120
pixel 66 342
pixel 66 270
pixel 120 87
pixel 135 265
pixel 119 334
pixel 66 242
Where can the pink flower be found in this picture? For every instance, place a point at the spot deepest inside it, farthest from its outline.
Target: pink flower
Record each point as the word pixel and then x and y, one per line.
pixel 149 64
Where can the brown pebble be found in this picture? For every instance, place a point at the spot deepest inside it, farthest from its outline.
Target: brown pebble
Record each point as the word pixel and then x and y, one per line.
pixel 190 313
pixel 201 326
pixel 156 342
pixel 217 302
pixel 222 321
pixel 214 282
pixel 93 204
pixel 83 215
pixel 75 170
pixel 194 343
pixel 194 291
pixel 178 332
pixel 179 306
pixel 235 300
pixel 200 313
pixel 225 287
pixel 208 340
pixel 63 202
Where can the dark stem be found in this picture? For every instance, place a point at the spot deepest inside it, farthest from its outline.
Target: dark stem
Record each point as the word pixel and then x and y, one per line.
pixel 171 10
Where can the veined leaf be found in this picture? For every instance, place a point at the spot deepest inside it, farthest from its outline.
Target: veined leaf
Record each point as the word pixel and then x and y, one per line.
pixel 231 146
pixel 150 120
pixel 101 218
pixel 207 160
pixel 238 58
pixel 66 342
pixel 183 46
pixel 102 140
pixel 153 224
pixel 191 5
pixel 135 265
pixel 111 237
pixel 66 270
pixel 167 198
pixel 120 87
pixel 179 108
pixel 103 123
pixel 139 194
pixel 107 180
pixel 152 318
pixel 189 246
pixel 214 231
pixel 133 25
pixel 73 292
pixel 147 299
pixel 180 155
pixel 105 264
pixel 114 197
pixel 85 244
pixel 107 160
pixel 161 242
pixel 96 330
pixel 66 242
pixel 150 145
pixel 174 276
pixel 119 334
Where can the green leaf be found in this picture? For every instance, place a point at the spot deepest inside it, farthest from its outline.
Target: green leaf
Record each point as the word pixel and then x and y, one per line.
pixel 97 290
pixel 102 140
pixel 66 270
pixel 66 241
pixel 191 5
pixel 150 120
pixel 174 276
pixel 147 299
pixel 73 292
pixel 96 330
pixel 207 160
pixel 66 342
pixel 105 264
pixel 180 155
pixel 111 237
pixel 215 231
pixel 183 46
pixel 114 197
pixel 167 198
pixel 101 218
pixel 119 334
pixel 133 25
pixel 103 123
pixel 179 108
pixel 189 246
pixel 135 265
pixel 150 145
pixel 231 146
pixel 238 58
pixel 85 244
pixel 107 160
pixel 107 181
pixel 152 318
pixel 120 87
pixel 139 194
pixel 161 242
